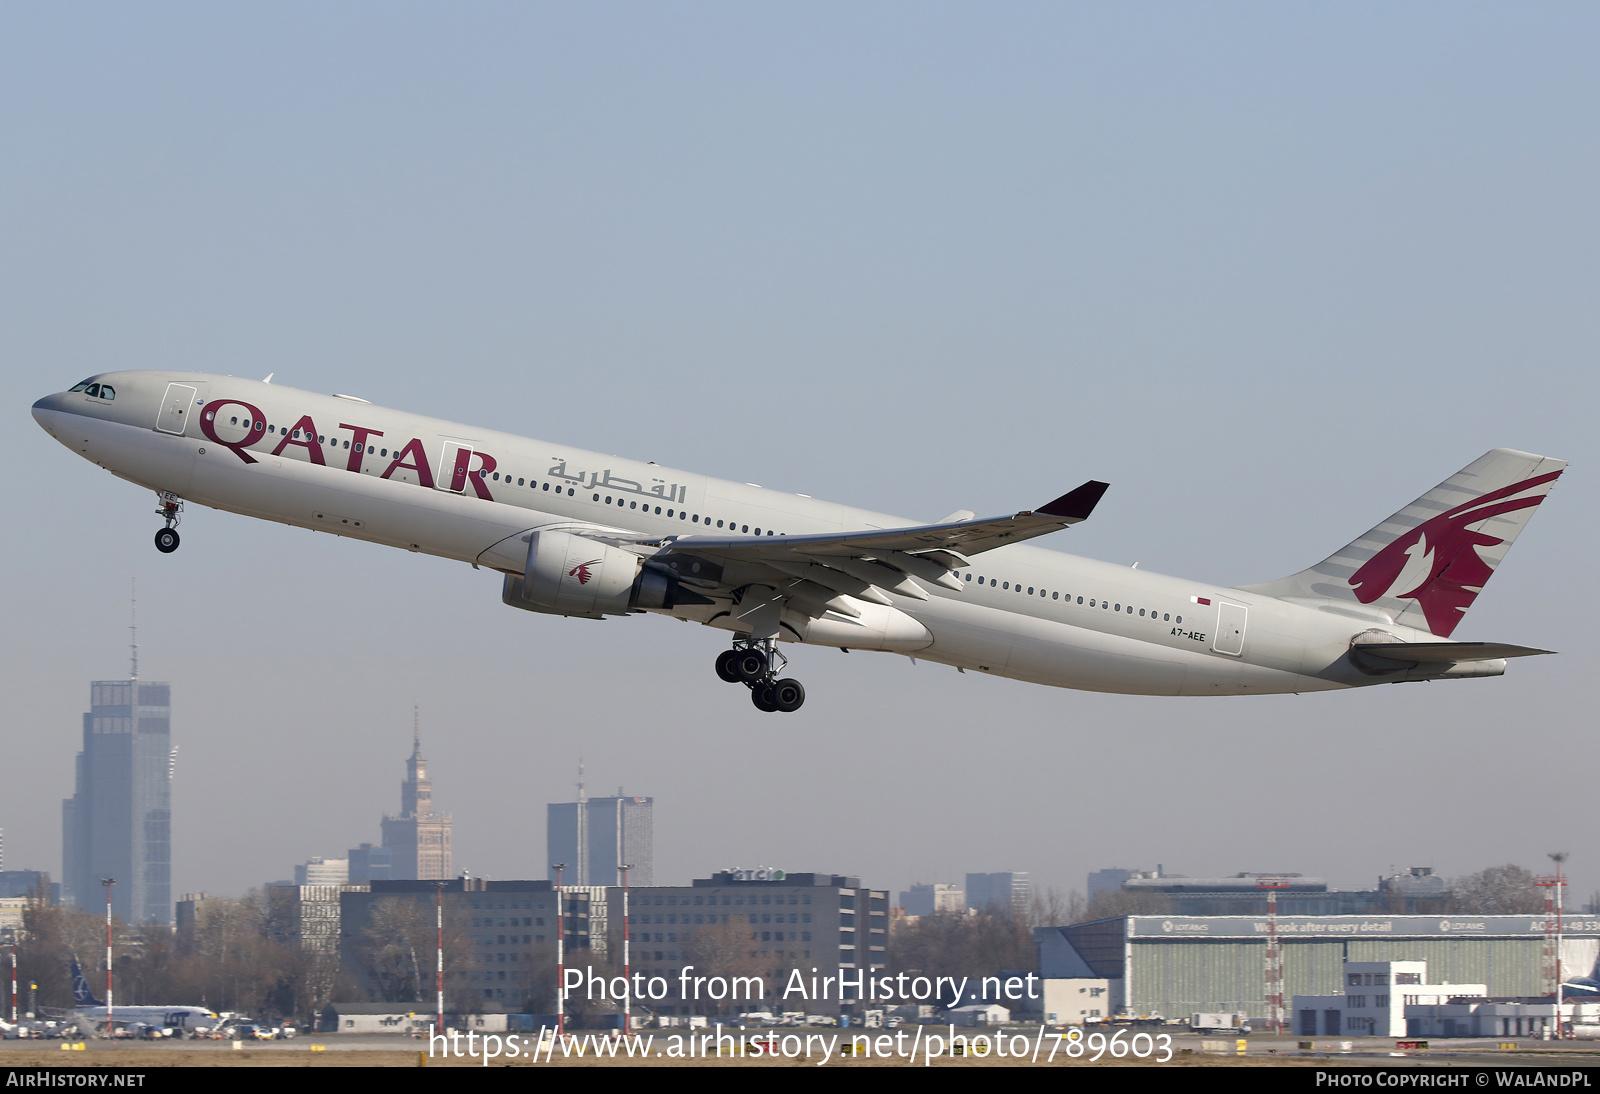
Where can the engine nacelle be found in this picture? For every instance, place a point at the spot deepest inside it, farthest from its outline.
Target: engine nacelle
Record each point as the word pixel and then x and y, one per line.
pixel 576 575
pixel 569 574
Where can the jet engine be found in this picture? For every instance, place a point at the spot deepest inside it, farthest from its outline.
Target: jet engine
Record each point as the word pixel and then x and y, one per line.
pixel 574 575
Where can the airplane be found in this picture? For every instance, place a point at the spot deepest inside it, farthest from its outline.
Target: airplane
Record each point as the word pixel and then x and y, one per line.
pixel 575 533
pixel 86 1008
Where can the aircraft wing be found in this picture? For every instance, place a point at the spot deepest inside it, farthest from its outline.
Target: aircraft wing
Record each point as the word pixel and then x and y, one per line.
pixel 966 537
pixel 818 568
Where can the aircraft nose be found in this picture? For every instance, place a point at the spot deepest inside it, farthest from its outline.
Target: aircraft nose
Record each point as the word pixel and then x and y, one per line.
pixel 46 410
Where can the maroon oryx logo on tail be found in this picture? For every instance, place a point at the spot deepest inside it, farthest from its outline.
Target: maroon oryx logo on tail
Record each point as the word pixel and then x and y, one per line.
pixel 582 572
pixel 1437 563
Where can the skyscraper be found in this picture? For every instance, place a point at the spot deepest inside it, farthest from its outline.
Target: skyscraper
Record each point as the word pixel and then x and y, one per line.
pixel 418 839
pixel 118 823
pixel 594 836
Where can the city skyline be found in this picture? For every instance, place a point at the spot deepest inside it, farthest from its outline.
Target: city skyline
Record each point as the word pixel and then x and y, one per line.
pixel 916 263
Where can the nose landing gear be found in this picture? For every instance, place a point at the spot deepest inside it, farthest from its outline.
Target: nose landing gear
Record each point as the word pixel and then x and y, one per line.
pixel 756 665
pixel 171 511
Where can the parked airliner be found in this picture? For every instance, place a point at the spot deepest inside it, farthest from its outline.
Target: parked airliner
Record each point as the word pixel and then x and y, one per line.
pixel 90 1011
pixel 576 533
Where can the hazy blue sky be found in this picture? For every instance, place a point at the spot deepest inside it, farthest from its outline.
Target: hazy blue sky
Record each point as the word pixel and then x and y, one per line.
pixel 1271 270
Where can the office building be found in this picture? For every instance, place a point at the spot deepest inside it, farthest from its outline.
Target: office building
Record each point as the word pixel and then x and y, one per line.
pixel 998 892
pixel 935 899
pixel 594 836
pixel 488 967
pixel 118 823
pixel 368 864
pixel 417 839
pixel 754 922
pixel 323 871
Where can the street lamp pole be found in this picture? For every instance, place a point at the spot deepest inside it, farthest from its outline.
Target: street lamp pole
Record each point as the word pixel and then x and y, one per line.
pixel 561 953
pixel 627 982
pixel 111 1022
pixel 438 908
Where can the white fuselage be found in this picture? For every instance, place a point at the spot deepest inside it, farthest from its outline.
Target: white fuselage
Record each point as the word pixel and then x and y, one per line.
pixel 346 466
pixel 176 1017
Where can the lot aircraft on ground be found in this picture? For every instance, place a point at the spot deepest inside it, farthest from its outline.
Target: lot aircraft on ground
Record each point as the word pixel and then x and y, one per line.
pixel 576 533
pixel 90 1011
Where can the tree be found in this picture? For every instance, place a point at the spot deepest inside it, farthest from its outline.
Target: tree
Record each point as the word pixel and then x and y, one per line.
pixel 725 950
pixel 397 951
pixel 1499 890
pixel 53 937
pixel 1114 902
pixel 973 944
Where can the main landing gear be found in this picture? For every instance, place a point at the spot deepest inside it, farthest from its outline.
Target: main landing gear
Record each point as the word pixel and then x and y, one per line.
pixel 171 511
pixel 756 664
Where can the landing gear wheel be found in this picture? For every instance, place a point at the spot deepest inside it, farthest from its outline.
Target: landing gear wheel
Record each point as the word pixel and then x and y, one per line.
pixel 167 540
pixel 749 665
pixel 725 666
pixel 762 696
pixel 788 695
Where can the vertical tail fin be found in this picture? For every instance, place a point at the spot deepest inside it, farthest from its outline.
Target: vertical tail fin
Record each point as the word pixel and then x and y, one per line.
pixel 81 995
pixel 1426 564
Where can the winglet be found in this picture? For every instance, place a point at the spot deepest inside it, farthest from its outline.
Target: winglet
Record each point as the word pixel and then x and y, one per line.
pixel 1076 504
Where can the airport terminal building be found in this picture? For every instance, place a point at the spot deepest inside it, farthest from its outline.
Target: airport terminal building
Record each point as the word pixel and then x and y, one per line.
pixel 1178 965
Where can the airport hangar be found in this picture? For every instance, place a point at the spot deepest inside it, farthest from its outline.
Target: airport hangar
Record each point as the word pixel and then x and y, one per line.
pixel 1178 965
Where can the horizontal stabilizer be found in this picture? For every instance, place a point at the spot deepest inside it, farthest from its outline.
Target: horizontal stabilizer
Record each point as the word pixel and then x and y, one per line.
pixel 1434 653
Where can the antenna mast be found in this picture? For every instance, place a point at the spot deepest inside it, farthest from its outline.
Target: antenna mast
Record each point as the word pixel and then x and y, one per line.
pixel 133 633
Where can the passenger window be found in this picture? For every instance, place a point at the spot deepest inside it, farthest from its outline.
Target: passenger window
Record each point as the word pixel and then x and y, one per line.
pixel 746 528
pixel 1030 590
pixel 1055 596
pixel 1180 619
pixel 1080 601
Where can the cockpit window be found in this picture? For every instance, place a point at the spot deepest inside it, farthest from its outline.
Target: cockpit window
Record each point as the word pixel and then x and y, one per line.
pixel 81 386
pixel 107 392
pixel 93 389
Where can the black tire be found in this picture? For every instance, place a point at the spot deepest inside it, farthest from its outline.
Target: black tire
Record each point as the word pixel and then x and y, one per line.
pixel 761 696
pixel 167 540
pixel 749 665
pixel 725 666
pixel 788 695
